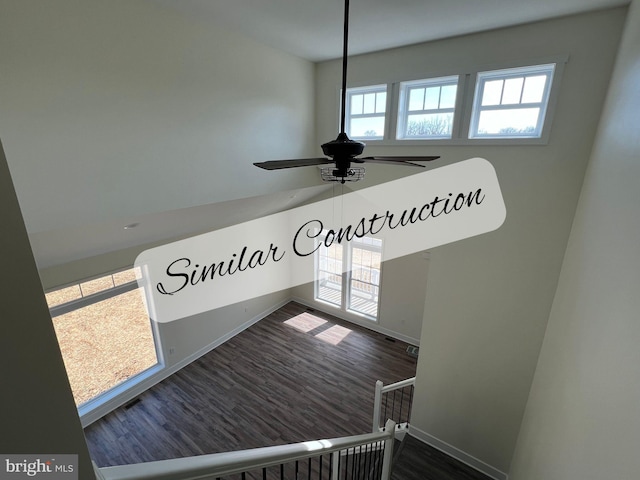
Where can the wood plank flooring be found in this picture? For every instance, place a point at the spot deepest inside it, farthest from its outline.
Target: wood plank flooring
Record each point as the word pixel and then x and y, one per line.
pixel 294 376
pixel 419 461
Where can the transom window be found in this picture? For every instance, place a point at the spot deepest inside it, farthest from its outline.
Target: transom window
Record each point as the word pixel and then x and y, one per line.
pixel 509 106
pixel 427 108
pixel 366 112
pixel 348 276
pixel 511 103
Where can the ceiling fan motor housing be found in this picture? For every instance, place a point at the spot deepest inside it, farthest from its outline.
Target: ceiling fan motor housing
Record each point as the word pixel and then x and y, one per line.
pixel 343 147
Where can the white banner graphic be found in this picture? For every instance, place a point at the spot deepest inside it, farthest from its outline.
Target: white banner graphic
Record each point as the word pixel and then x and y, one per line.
pixel 276 252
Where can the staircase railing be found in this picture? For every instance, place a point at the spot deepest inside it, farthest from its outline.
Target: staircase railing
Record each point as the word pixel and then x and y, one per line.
pixel 393 402
pixel 360 457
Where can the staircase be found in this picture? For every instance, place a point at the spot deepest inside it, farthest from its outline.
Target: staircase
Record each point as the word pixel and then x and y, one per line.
pixel 412 458
pixel 360 457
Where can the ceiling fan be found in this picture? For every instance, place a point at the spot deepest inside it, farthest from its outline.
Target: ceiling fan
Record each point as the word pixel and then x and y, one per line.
pixel 343 151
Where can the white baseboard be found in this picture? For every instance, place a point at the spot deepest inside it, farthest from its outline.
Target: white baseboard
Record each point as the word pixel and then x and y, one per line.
pixel 120 395
pixel 239 329
pixel 458 454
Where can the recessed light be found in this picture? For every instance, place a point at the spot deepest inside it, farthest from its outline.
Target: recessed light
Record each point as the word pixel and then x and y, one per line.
pixel 131 225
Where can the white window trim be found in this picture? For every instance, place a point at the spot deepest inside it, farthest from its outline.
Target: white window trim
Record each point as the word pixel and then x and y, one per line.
pixel 351 91
pixel 403 105
pixel 103 403
pixel 503 74
pixel 91 299
pixel 346 279
pixel 464 105
pixel 316 271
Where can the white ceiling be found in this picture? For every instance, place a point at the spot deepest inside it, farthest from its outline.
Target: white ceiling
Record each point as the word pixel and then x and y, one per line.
pixel 60 246
pixel 312 29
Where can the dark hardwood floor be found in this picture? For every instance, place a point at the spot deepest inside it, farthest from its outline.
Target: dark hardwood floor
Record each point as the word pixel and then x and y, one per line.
pixel 419 461
pixel 294 376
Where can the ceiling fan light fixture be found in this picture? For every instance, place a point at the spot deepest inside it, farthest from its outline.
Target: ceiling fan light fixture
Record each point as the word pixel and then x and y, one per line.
pixel 330 174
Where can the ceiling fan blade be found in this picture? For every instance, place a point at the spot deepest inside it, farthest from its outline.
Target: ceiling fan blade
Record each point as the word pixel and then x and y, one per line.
pixel 396 160
pixel 299 162
pixel 343 151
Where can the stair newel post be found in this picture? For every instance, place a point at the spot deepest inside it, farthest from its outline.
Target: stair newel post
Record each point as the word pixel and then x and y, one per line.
pixel 390 429
pixel 377 405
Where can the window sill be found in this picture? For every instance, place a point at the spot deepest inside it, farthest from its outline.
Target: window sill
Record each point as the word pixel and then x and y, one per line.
pixel 459 142
pixel 122 393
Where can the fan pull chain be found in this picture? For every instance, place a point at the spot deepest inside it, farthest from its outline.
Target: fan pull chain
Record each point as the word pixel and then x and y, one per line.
pixel 337 210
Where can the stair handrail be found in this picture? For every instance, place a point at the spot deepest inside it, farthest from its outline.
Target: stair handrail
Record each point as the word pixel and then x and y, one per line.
pixel 381 389
pixel 227 463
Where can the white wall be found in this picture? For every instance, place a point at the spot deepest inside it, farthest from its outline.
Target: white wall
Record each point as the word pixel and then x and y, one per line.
pixel 111 110
pixel 404 284
pixel 189 337
pixel 121 108
pixel 583 415
pixel 96 95
pixel 37 412
pixel 488 298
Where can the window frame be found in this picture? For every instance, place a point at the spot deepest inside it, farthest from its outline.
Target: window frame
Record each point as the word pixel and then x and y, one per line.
pixel 364 90
pixel 346 277
pixel 403 111
pixel 358 243
pixel 464 105
pixel 482 78
pixel 318 280
pixel 94 408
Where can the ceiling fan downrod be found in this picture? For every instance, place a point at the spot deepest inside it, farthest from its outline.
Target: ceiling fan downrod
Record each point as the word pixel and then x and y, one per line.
pixel 343 151
pixel 345 54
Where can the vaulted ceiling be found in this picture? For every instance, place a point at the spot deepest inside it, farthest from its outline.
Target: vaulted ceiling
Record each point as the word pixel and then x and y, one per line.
pixel 312 29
